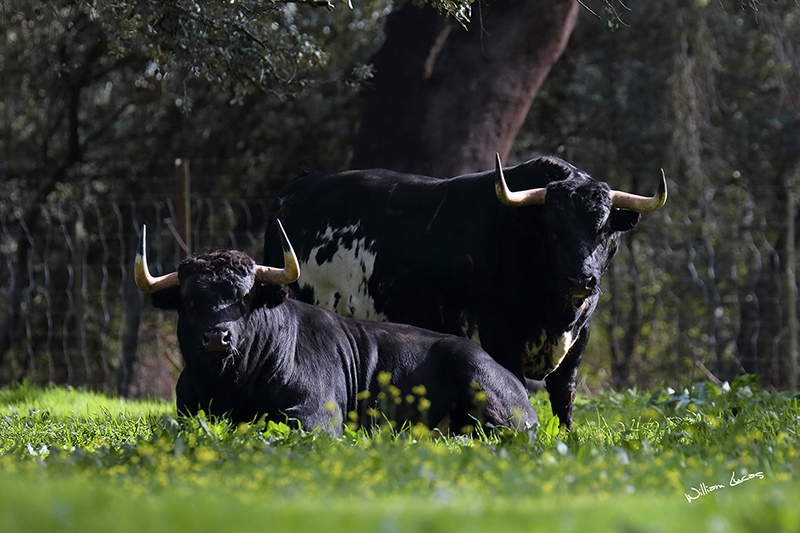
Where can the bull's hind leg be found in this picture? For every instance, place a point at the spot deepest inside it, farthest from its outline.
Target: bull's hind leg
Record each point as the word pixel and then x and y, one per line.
pixel 449 390
pixel 325 416
pixel 484 392
pixel 507 403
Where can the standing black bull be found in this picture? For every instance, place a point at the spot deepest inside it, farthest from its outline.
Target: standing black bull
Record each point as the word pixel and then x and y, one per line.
pixel 518 272
pixel 250 351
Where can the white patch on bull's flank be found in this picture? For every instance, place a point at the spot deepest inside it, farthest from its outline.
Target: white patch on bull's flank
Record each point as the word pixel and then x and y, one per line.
pixel 340 283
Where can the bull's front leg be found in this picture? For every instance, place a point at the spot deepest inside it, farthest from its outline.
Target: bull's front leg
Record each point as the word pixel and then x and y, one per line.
pixel 187 400
pixel 561 382
pixel 325 416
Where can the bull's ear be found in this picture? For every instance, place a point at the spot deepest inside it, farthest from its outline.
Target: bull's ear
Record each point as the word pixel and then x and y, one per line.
pixel 624 220
pixel 169 299
pixel 266 295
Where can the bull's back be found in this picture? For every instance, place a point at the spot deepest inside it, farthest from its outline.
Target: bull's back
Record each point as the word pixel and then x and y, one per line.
pixel 451 369
pixel 376 245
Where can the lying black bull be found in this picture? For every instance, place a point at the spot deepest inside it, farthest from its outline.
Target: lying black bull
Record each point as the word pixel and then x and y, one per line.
pixel 518 272
pixel 250 351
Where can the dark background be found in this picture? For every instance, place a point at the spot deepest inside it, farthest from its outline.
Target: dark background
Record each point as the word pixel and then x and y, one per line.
pixel 98 103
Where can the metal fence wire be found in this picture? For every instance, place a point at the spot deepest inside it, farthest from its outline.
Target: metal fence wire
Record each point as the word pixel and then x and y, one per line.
pixel 72 312
pixel 685 298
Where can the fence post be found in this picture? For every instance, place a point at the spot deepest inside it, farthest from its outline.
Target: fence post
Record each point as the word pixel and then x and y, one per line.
pixel 791 286
pixel 79 267
pixel 183 208
pixel 131 315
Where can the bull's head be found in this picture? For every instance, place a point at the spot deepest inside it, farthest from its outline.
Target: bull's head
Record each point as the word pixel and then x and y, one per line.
pixel 215 295
pixel 266 275
pixel 538 196
pixel 583 218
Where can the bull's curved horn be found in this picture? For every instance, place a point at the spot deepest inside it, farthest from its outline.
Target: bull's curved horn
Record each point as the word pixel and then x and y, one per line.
pixel 291 267
pixel 141 273
pixel 642 204
pixel 515 199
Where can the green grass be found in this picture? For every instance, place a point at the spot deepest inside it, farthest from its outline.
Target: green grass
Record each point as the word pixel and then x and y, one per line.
pixel 76 461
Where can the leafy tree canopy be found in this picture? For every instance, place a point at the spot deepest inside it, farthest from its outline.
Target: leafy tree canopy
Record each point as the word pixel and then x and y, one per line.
pixel 244 45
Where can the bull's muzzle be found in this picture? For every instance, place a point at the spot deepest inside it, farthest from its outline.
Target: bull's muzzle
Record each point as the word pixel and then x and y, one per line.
pixel 581 288
pixel 217 340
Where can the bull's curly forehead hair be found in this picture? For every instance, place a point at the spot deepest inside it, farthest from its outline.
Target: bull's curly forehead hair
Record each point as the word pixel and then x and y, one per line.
pixel 218 263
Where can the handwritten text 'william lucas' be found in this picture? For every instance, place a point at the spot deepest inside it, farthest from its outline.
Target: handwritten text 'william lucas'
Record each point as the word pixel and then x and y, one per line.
pixel 705 489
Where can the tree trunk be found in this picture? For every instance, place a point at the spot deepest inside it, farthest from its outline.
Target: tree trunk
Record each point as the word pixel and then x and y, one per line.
pixel 445 98
pixel 629 320
pixel 767 343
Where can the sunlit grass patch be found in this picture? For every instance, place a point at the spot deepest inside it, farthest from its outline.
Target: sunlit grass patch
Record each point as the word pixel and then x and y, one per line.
pixel 72 503
pixel 626 449
pixel 41 418
pixel 69 402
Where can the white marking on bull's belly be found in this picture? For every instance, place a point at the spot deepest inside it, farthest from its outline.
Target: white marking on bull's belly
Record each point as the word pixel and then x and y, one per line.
pixel 560 350
pixel 340 282
pixel 470 331
pixel 544 355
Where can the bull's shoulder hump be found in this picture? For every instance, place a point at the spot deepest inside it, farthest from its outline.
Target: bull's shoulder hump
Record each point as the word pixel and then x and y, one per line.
pixel 375 177
pixel 378 181
pixel 303 182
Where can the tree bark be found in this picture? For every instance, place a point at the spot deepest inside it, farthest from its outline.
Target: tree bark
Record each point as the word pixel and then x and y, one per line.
pixel 445 98
pixel 623 344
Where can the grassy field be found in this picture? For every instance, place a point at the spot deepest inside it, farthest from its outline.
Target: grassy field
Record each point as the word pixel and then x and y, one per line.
pixel 77 461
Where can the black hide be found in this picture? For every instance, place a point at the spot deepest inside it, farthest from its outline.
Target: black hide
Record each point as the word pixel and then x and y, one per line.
pixel 446 255
pixel 251 351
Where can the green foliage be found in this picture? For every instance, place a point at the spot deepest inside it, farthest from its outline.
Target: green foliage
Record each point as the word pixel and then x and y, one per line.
pixel 99 100
pixel 460 10
pixel 631 458
pixel 707 91
pixel 244 45
pixel 96 90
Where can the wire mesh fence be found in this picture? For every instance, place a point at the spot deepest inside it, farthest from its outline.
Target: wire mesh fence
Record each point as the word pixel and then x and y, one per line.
pixel 71 311
pixel 683 299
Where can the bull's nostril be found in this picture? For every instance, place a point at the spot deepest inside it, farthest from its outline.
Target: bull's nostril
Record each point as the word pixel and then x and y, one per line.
pixel 216 340
pixel 578 282
pixel 582 287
